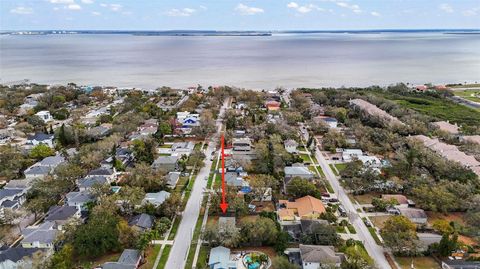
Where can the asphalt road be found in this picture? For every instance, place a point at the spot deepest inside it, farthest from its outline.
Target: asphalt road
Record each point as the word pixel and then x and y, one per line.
pixel 375 251
pixel 183 238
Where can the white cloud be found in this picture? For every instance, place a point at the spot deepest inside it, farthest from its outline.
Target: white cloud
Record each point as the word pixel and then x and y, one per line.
pixel 446 8
pixel 292 5
pixel 112 7
pixel 203 8
pixel 87 1
pixel 472 12
pixel 115 7
pixel 184 12
pixel 62 1
pixel 375 14
pixel 246 10
pixel 305 8
pixel 96 13
pixel 73 7
pixel 22 10
pixel 354 8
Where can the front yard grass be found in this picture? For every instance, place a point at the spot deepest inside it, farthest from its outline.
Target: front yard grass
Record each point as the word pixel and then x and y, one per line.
pixel 340 166
pixel 351 229
pixel 173 232
pixel 152 253
pixel 202 256
pixel 333 169
pixel 374 235
pixel 164 257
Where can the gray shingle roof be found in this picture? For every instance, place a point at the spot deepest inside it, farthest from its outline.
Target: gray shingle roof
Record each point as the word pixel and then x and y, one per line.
pixel 129 256
pixel 52 161
pixel 37 170
pixel 16 254
pixel 41 137
pixel 157 198
pixel 166 160
pixel 5 193
pixel 61 212
pixel 297 170
pixel 101 172
pixel 144 221
pixel 79 197
pixel 172 178
pixel 91 181
pixel 319 254
pixel 42 236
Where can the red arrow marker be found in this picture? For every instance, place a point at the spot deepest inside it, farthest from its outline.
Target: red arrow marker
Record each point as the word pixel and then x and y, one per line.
pixel 223 204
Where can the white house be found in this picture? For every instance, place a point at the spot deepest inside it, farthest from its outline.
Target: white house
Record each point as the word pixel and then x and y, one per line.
pixel 187 119
pixel 291 146
pixel 41 138
pixel 156 198
pixel 44 115
pixel 349 154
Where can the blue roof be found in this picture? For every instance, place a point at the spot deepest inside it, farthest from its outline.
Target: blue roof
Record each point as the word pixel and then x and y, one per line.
pixel 219 258
pixel 41 137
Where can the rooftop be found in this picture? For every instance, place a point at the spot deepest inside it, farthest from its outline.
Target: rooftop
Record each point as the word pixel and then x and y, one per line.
pixel 61 212
pixel 373 110
pixel 319 254
pixel 301 207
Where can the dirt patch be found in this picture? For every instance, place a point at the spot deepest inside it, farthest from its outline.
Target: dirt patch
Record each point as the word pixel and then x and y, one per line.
pixel 467 240
pixel 366 198
pixel 263 206
pixel 379 221
pixel 418 263
pixel 267 250
pixel 451 216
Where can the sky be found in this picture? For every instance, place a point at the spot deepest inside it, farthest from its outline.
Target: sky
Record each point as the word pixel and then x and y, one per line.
pixel 238 15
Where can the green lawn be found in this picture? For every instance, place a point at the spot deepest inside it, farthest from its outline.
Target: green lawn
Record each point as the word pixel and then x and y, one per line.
pixel 333 169
pixel 152 255
pixel 341 166
pixel 165 146
pixel 469 94
pixel 164 257
pixel 351 229
pixel 218 181
pixel 439 108
pixel 305 158
pixel 329 187
pixel 197 146
pixel 374 235
pixel 203 256
pixel 320 171
pixel 173 232
pixel 193 245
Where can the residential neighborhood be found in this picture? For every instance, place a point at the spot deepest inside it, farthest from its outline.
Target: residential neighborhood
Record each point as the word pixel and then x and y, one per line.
pixel 229 178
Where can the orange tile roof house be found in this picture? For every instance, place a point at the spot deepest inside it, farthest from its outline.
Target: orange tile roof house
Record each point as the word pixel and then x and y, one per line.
pixel 272 105
pixel 307 207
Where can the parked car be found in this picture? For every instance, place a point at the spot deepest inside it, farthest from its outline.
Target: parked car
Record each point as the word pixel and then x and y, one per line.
pixel 342 211
pixel 367 223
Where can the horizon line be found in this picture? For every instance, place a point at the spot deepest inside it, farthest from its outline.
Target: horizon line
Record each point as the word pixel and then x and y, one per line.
pixel 283 30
